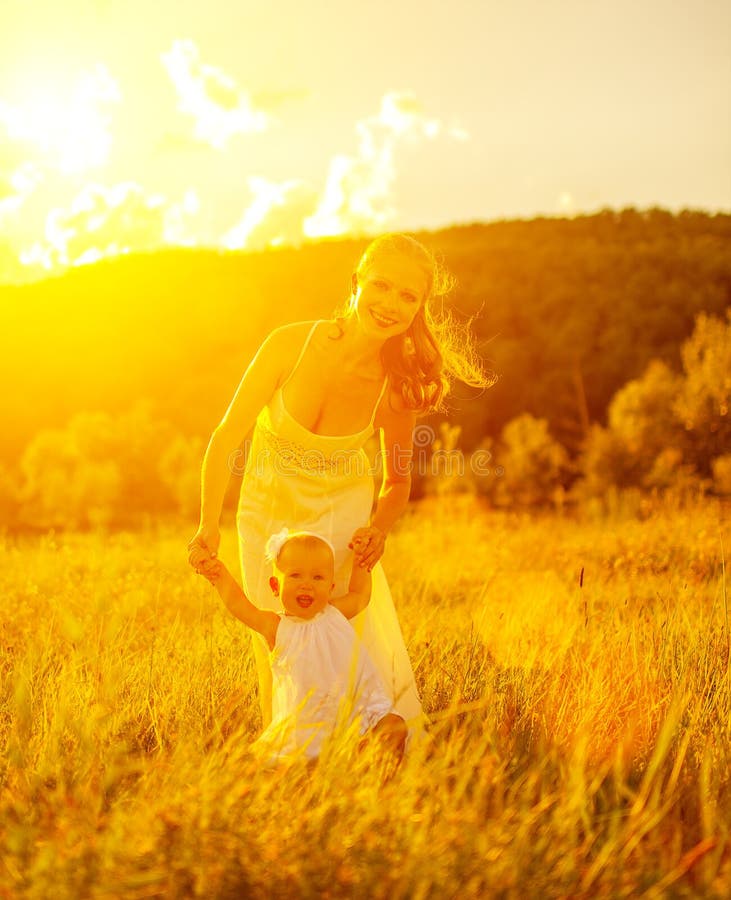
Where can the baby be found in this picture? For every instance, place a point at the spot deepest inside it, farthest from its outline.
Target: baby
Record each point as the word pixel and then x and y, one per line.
pixel 322 675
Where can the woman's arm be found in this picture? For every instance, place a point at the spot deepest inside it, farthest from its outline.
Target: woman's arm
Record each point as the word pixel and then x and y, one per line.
pixel 260 381
pixel 397 450
pixel 253 393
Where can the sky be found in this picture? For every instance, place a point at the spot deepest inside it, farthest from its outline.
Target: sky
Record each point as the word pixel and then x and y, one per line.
pixel 129 125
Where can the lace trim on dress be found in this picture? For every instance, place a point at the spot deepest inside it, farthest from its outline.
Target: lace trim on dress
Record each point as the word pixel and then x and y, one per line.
pixel 291 455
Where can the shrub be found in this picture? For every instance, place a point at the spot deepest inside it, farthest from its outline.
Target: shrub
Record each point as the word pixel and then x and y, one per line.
pixel 535 464
pixel 721 467
pixel 99 470
pixel 704 401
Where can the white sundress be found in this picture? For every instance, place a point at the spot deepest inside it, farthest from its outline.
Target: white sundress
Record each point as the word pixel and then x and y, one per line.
pixel 300 480
pixel 323 678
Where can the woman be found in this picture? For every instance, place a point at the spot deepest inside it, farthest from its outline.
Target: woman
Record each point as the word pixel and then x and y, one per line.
pixel 315 392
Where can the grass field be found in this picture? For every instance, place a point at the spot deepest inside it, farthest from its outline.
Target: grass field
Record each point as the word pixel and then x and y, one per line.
pixel 580 743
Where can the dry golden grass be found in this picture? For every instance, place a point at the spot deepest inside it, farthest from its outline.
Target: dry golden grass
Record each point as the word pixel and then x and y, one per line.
pixel 580 743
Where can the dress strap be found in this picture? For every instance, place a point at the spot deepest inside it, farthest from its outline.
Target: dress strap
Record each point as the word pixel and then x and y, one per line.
pixel 302 351
pixel 378 402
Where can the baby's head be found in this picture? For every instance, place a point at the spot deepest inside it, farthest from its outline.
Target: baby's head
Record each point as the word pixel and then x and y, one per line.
pixel 304 568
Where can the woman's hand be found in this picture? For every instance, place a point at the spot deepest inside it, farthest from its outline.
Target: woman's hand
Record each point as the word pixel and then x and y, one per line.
pixel 203 548
pixel 368 545
pixel 210 568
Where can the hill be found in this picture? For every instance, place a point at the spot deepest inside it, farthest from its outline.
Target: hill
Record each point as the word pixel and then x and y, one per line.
pixel 565 311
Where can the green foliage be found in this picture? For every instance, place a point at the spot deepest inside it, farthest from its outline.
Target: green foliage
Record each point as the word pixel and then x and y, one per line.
pixel 588 301
pixel 642 427
pixel 581 318
pixel 534 463
pixel 605 463
pixel 179 470
pixel 446 472
pixel 9 498
pixel 641 413
pixel 562 307
pixel 65 489
pixel 722 474
pixel 704 402
pixel 666 429
pixel 670 472
pixel 100 471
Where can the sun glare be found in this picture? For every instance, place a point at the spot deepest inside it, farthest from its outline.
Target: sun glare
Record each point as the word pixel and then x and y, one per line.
pixel 61 122
pixel 68 128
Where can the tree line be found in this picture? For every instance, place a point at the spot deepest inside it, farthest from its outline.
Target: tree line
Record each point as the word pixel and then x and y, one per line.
pixel 608 334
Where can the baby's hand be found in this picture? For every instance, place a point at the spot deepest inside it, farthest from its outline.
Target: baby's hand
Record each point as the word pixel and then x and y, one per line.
pixel 213 571
pixel 203 564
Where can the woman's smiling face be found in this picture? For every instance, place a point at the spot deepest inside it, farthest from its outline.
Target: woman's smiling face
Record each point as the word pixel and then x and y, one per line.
pixel 388 294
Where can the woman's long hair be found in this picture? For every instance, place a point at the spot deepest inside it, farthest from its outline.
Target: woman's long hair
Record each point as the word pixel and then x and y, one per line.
pixel 422 362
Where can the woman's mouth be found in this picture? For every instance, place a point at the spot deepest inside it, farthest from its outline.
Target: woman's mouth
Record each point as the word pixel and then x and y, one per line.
pixel 383 321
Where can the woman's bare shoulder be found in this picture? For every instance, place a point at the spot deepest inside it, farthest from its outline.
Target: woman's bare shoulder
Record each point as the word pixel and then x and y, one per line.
pixel 291 332
pixel 285 342
pixel 295 333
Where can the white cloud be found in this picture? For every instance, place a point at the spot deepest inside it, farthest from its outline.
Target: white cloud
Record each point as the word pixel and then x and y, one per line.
pixel 69 133
pixel 356 195
pixel 85 225
pixel 211 97
pixel 274 216
pixel 17 187
pixel 459 133
pixel 179 218
pixel 106 221
pixel 402 114
pixel 358 191
pixel 26 178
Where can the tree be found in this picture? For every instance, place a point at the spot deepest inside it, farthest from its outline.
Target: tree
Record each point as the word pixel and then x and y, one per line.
pixel 99 470
pixel 704 401
pixel 668 430
pixel 63 488
pixel 722 474
pixel 9 499
pixel 179 470
pixel 604 463
pixel 642 419
pixel 534 463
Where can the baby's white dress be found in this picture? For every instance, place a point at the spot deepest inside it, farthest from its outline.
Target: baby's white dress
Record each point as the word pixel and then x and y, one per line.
pixel 300 480
pixel 322 678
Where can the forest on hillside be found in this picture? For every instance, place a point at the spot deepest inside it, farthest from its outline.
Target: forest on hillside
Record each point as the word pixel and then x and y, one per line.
pixel 566 312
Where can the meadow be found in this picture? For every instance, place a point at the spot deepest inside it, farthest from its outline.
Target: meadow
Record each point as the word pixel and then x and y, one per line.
pixel 575 669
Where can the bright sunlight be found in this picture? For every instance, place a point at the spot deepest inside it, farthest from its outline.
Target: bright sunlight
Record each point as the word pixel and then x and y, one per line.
pixel 67 125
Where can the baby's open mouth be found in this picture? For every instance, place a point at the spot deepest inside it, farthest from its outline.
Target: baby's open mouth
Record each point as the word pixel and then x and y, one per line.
pixel 305 600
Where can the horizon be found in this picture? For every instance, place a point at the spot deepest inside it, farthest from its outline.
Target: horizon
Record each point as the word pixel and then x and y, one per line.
pixel 35 277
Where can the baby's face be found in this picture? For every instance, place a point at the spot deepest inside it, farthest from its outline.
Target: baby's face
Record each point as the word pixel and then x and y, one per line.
pixel 305 582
